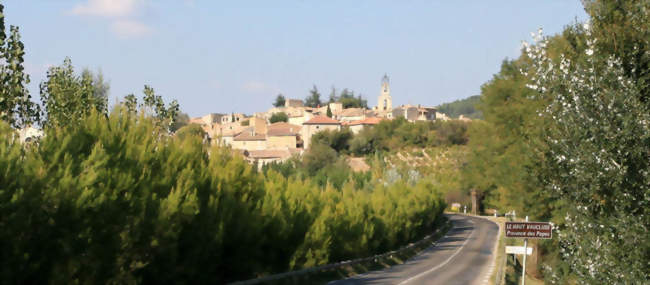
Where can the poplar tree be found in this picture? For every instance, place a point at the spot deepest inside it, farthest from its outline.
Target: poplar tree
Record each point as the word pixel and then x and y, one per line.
pixel 69 98
pixel 16 106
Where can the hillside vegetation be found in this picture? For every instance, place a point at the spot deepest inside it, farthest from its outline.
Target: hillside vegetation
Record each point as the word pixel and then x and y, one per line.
pixel 466 107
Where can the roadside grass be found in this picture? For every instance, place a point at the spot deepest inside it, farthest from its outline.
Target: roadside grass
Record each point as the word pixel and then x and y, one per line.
pixel 510 269
pixel 497 275
pixel 513 274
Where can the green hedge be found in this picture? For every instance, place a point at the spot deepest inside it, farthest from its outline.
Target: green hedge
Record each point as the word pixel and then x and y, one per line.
pixel 118 200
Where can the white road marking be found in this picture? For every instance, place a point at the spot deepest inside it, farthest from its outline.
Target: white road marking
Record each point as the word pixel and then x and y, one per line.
pixel 441 264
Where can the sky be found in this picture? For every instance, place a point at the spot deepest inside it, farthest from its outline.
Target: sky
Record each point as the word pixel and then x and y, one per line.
pixel 237 56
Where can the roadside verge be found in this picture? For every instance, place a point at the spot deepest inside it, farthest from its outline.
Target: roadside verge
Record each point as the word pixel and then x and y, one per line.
pixel 340 270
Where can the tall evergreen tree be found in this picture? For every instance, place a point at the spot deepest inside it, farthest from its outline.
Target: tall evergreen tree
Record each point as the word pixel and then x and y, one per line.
pixel 313 100
pixel 279 101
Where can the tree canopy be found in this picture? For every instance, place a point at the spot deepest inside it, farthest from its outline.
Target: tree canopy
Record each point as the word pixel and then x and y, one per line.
pixel 313 100
pixel 279 117
pixel 16 106
pixel 279 101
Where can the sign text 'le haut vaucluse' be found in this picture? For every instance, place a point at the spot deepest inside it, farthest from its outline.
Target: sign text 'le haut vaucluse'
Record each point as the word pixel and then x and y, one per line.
pixel 529 230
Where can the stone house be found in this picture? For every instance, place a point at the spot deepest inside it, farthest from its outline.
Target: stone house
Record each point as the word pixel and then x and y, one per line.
pixel 318 124
pixel 357 126
pixel 249 140
pixel 224 134
pixel 233 118
pixel 351 114
pixel 293 103
pixel 263 157
pixel 415 113
pixel 283 135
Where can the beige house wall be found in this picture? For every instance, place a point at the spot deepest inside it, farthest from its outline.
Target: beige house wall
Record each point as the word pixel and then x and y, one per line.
pixel 222 141
pixel 356 128
pixel 297 120
pixel 280 142
pixel 258 124
pixel 249 145
pixel 351 118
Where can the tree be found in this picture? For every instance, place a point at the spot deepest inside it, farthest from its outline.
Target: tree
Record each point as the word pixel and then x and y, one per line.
pixel 333 96
pixel 68 98
pixel 191 130
pixel 131 103
pixel 329 111
pixel 465 107
pixel 339 140
pixel 182 120
pixel 596 154
pixel 100 88
pixel 153 105
pixel 622 30
pixel 313 100
pixel 317 157
pixel 279 117
pixel 279 101
pixel 16 106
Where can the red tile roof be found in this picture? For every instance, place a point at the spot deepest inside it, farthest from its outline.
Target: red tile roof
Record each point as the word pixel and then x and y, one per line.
pixel 322 120
pixel 283 129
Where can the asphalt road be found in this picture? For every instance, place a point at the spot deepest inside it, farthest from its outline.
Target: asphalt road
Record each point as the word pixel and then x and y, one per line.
pixel 463 256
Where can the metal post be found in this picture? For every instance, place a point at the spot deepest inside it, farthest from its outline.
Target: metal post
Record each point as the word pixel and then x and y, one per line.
pixel 523 265
pixel 465 209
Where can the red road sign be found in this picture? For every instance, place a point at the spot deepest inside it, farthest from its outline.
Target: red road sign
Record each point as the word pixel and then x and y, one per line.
pixel 540 230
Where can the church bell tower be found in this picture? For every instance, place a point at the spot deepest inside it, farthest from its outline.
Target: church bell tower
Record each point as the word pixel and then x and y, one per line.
pixel 385 102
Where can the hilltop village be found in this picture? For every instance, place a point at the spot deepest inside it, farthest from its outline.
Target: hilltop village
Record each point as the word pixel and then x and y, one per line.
pixel 261 141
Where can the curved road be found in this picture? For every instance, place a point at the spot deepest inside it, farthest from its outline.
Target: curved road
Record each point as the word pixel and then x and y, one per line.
pixel 463 256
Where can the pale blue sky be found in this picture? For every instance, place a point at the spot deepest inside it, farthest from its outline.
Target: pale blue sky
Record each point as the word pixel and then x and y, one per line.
pixel 236 56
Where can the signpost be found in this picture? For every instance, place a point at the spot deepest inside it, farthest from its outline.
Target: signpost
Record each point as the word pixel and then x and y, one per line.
pixel 536 230
pixel 518 250
pixel 526 230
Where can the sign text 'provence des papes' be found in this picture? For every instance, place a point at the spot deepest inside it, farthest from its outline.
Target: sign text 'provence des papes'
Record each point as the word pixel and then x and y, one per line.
pixel 529 230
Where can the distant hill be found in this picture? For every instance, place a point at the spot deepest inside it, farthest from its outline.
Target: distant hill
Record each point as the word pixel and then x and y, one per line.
pixel 465 107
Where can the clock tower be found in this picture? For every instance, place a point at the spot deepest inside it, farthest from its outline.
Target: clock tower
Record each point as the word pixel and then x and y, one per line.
pixel 385 102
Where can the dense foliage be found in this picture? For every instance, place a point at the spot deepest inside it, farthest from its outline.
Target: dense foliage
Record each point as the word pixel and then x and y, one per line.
pixel 68 97
pixel 394 134
pixel 117 200
pixel 599 145
pixel 313 99
pixel 347 99
pixel 279 101
pixel 566 139
pixel 465 107
pixel 279 117
pixel 399 133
